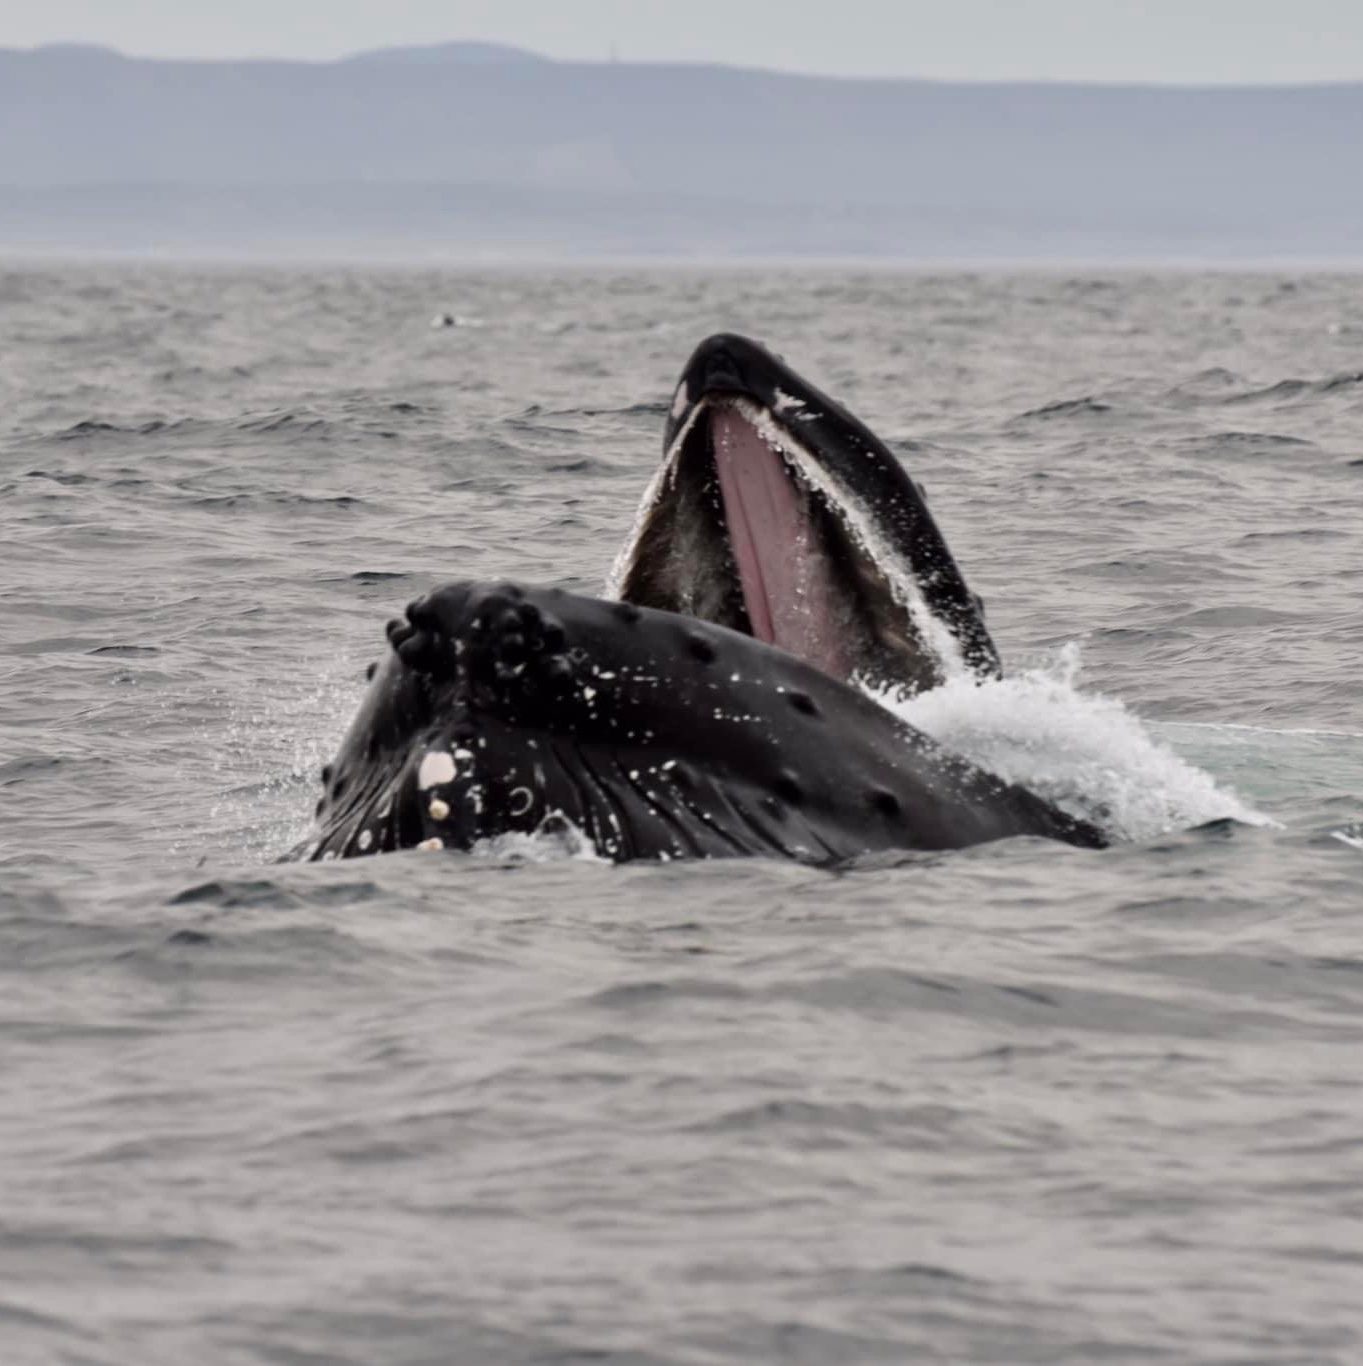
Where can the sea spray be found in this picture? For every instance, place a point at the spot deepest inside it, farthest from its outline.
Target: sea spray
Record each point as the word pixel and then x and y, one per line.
pixel 1085 752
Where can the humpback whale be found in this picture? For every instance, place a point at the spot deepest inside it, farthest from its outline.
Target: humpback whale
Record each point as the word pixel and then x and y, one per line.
pixel 714 703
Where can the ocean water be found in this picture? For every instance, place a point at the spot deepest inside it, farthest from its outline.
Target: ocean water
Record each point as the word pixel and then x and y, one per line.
pixel 1021 1103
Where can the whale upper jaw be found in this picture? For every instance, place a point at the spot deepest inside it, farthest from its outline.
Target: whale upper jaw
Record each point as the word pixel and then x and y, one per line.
pixel 777 513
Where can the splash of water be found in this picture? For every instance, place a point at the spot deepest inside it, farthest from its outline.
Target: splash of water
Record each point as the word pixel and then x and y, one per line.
pixel 555 840
pixel 274 748
pixel 1085 752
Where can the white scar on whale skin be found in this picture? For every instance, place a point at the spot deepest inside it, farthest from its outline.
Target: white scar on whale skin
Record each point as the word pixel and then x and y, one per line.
pixel 437 767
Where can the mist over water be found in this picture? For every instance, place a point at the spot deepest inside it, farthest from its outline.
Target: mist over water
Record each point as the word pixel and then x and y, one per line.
pixel 1020 1103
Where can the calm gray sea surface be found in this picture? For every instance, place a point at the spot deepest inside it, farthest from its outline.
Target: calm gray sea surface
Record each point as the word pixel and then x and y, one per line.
pixel 1021 1103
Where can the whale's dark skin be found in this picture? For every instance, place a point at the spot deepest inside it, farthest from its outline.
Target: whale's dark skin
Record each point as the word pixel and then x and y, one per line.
pixel 504 708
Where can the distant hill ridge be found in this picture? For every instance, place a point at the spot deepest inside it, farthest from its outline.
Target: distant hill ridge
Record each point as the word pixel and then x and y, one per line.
pixel 878 165
pixel 471 52
pixel 477 53
pixel 491 54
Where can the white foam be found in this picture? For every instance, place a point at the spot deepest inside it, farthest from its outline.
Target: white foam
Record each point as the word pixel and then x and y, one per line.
pixel 1086 753
pixel 556 840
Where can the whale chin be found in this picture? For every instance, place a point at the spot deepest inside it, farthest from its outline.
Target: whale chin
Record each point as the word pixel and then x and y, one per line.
pixel 778 514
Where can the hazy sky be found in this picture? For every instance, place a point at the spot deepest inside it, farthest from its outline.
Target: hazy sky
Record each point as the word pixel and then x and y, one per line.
pixel 1106 40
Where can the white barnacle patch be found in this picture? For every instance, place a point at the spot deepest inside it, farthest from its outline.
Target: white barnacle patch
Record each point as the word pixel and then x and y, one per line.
pixel 463 756
pixel 680 399
pixel 588 693
pixel 786 402
pixel 520 801
pixel 366 839
pixel 435 842
pixel 438 809
pixel 436 767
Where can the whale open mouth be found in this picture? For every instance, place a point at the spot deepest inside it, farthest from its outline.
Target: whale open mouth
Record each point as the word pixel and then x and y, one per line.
pixel 746 526
pixel 780 551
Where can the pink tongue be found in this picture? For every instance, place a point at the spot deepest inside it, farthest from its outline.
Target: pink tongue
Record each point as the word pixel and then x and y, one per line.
pixel 787 587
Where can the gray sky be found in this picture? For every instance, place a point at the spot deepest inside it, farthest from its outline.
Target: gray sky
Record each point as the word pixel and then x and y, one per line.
pixel 1105 40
